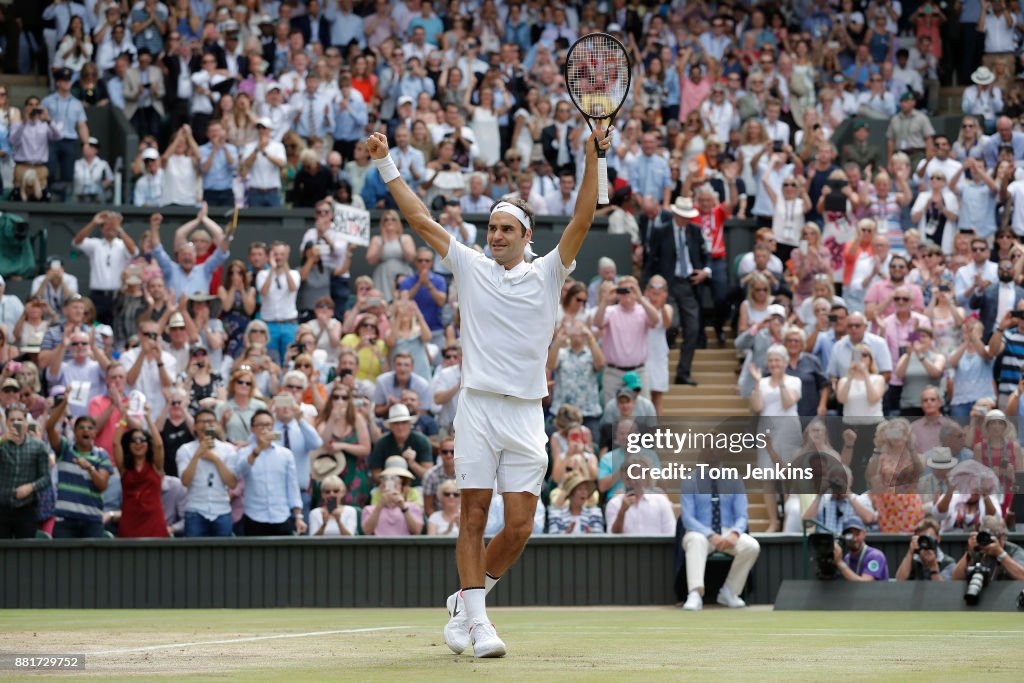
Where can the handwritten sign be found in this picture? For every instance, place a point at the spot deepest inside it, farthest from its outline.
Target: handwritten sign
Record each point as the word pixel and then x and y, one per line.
pixel 352 224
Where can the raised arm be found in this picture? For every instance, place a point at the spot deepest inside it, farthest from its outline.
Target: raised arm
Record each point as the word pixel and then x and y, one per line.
pixel 411 206
pixel 586 200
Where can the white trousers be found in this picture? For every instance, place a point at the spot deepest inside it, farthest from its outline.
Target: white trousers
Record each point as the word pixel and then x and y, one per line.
pixel 697 548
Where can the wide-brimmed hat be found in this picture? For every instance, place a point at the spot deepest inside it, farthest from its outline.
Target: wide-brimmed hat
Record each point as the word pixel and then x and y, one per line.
pixel 395 466
pixel 398 413
pixel 577 478
pixel 983 76
pixel 683 207
pixel 941 458
pixel 209 299
pixel 324 463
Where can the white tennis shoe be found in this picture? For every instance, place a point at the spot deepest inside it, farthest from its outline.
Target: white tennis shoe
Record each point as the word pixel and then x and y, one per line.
pixel 729 599
pixel 694 602
pixel 456 631
pixel 486 642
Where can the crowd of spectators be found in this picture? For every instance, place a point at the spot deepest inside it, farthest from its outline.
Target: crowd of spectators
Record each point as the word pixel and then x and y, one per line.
pixel 212 387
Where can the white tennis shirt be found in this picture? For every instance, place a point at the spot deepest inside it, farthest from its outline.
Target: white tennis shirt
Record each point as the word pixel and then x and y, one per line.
pixel 508 319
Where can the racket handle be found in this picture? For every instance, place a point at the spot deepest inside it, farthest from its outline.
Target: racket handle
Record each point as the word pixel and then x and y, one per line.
pixel 602 180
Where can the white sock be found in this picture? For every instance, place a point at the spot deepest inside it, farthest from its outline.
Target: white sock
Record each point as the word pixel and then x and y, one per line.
pixel 489 582
pixel 476 609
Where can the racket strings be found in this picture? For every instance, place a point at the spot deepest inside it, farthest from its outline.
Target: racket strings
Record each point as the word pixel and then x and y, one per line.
pixel 598 75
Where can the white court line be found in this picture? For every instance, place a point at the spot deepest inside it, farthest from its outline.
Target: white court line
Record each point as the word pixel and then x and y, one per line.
pixel 171 646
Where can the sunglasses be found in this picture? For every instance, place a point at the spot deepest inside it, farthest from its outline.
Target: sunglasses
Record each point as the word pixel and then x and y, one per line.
pixel 293 387
pixel 323 212
pixel 139 439
pixel 374 325
pixel 447 451
pixel 581 299
pixel 452 494
pixel 789 184
pixel 329 492
pixel 79 343
pixel 243 382
pixel 979 249
pixel 324 306
pixel 176 403
pixel 152 335
pixel 257 331
pixel 339 397
pixel 303 365
pixel 901 298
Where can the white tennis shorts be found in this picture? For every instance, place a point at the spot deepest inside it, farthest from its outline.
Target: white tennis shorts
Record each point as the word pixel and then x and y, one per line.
pixel 499 437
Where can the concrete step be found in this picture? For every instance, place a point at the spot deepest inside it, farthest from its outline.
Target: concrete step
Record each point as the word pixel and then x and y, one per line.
pixel 707 401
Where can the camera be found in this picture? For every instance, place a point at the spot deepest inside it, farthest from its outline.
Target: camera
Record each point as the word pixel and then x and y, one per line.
pixel 822 555
pixel 978 576
pixel 622 290
pixel 983 539
pixel 944 288
pixel 925 542
pixel 343 373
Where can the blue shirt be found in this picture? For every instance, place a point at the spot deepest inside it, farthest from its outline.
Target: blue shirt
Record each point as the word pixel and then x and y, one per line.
pixel 198 280
pixel 221 173
pixel 650 175
pixel 349 124
pixel 345 27
pixel 832 513
pixel 991 149
pixel 696 507
pixel 115 91
pixel 408 161
pixel 431 311
pixel 271 484
pixel 433 27
pixel 66 113
pixel 300 437
pixel 977 207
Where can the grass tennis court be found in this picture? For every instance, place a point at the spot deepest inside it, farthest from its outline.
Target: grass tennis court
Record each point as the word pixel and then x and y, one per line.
pixel 557 644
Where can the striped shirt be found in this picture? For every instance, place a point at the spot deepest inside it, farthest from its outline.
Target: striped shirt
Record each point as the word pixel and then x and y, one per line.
pixel 77 496
pixel 1010 362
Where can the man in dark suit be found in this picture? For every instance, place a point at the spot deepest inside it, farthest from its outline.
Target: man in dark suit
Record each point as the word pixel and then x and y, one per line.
pixel 179 61
pixel 987 301
pixel 679 254
pixel 651 218
pixel 556 140
pixel 314 25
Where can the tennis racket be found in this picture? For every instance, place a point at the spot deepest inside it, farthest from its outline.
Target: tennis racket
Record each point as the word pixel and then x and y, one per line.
pixel 598 75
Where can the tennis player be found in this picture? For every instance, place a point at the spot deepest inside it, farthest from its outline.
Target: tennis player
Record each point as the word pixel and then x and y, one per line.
pixel 508 311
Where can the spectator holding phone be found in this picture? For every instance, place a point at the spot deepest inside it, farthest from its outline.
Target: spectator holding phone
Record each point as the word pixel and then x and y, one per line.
pixel 333 517
pixel 207 472
pixel 393 515
pixel 624 327
pixel 273 504
pixel 139 457
pixel 24 473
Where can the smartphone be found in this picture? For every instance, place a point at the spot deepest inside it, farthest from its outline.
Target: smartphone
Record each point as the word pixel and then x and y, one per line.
pixel 1017 314
pixel 833 318
pixel 275 436
pixel 19 426
pixel 390 485
pixel 913 336
pixel 211 433
pixel 803 246
pixel 622 290
pixel 332 504
pixel 855 356
pixel 777 146
pixel 944 288
pixel 343 373
pixel 58 399
pixel 902 350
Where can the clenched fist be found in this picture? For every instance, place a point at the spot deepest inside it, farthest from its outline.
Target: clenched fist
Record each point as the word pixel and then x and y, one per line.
pixel 377 145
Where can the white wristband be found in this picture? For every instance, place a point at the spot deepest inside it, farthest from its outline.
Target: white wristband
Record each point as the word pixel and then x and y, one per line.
pixel 387 169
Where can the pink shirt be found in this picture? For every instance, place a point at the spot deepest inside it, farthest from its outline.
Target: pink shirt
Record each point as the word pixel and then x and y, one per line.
pixel 691 95
pixel 896 334
pixel 880 290
pixel 926 432
pixel 392 520
pixel 652 515
pixel 624 336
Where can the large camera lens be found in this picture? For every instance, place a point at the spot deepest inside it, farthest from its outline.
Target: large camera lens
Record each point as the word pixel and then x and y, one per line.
pixel 984 538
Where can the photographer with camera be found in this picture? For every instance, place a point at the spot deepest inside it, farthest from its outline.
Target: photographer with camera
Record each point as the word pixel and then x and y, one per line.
pixel 861 562
pixel 1007 559
pixel 924 560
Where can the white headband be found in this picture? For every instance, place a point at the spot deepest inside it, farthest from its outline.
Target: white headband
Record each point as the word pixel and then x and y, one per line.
pixel 506 207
